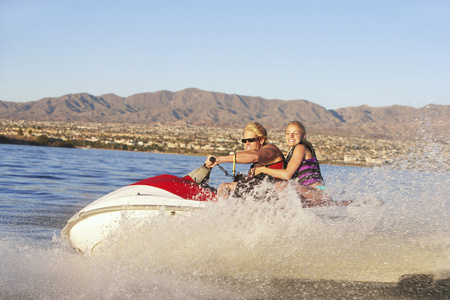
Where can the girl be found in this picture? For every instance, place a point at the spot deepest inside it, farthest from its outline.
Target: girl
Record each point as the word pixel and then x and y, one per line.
pixel 300 165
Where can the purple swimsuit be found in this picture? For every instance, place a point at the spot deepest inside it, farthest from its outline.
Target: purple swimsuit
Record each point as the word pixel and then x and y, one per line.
pixel 309 172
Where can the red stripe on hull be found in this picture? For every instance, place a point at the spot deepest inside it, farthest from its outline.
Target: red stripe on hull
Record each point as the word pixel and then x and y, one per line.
pixel 179 186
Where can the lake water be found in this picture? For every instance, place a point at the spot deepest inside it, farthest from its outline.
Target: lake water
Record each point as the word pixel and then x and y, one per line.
pixel 230 251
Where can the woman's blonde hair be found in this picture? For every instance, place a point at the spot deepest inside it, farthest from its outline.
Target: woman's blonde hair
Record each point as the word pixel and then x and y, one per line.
pixel 258 130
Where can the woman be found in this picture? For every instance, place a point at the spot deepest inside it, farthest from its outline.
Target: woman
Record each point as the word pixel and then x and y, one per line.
pixel 257 150
pixel 301 165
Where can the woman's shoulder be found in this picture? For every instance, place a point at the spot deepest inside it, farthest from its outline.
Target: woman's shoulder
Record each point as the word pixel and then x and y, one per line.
pixel 271 146
pixel 275 152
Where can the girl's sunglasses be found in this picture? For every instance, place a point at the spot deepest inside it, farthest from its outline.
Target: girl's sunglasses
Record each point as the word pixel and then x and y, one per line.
pixel 249 140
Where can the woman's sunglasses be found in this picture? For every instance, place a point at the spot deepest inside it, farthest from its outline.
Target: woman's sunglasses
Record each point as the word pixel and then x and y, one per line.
pixel 250 140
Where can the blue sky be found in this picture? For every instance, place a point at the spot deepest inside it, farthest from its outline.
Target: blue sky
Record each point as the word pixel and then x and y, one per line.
pixel 334 53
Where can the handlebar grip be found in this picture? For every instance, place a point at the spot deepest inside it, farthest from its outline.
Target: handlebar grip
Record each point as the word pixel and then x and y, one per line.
pixel 212 159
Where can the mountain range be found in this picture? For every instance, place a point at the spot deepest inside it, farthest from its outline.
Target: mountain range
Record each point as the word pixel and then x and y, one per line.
pixel 199 107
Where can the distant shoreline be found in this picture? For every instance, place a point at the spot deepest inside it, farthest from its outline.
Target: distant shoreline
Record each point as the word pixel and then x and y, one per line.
pixel 45 142
pixel 25 142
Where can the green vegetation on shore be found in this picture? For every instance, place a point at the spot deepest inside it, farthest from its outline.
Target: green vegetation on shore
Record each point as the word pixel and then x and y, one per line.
pixel 41 140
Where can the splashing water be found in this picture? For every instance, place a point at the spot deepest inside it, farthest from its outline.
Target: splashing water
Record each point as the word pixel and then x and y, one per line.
pixel 366 241
pixel 247 249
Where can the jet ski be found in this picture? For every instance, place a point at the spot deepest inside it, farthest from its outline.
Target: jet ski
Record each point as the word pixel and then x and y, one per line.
pixel 160 195
pixel 155 196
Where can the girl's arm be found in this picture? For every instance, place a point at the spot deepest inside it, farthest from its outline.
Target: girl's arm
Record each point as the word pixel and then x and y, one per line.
pixel 294 164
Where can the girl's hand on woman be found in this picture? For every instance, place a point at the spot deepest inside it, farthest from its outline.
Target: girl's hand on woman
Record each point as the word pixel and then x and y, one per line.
pixel 257 170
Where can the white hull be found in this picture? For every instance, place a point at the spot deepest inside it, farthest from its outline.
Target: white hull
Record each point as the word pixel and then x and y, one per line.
pixel 133 204
pixel 93 224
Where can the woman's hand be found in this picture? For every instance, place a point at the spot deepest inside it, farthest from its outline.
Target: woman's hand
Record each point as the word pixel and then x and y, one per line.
pixel 210 163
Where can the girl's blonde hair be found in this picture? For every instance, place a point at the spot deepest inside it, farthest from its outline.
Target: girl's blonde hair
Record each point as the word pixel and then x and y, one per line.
pixel 303 138
pixel 300 125
pixel 258 130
